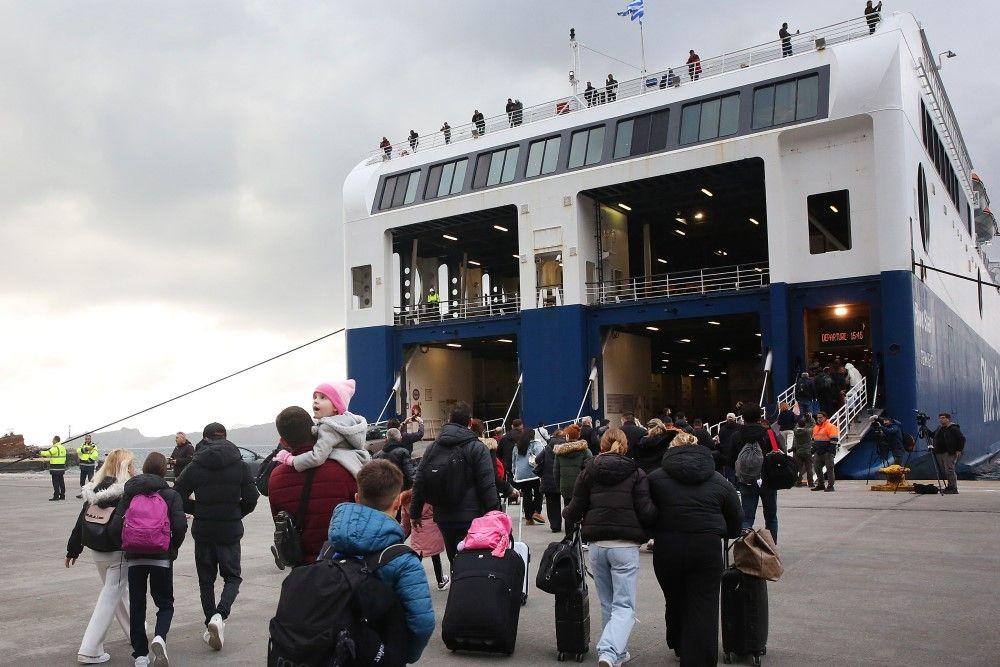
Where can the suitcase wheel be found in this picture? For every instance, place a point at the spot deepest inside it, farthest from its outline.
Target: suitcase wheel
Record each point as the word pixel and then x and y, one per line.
pixel 727 658
pixel 561 657
pixel 524 599
pixel 756 661
pixel 580 657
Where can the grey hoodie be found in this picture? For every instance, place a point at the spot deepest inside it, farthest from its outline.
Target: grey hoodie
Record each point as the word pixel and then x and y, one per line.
pixel 339 438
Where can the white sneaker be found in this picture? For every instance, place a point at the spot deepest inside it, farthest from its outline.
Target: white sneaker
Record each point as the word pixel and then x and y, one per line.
pixel 159 650
pixel 445 585
pixel 92 659
pixel 216 628
pixel 625 658
pixel 604 661
pixel 207 638
pixel 142 661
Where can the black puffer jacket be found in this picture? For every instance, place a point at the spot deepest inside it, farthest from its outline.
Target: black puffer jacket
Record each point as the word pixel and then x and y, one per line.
pixel 633 433
pixel 481 494
pixel 754 433
pixel 149 484
pixel 224 492
pixel 650 450
pixel 545 466
pixel 727 430
pixel 611 497
pixel 692 497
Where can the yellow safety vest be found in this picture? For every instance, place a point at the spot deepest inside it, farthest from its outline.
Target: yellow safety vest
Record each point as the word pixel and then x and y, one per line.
pixel 88 453
pixel 56 454
pixel 433 298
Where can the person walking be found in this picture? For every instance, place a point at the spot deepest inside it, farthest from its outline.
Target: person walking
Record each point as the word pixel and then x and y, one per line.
pixel 525 455
pixel 102 494
pixel 611 500
pixel 571 457
pixel 612 87
pixel 805 394
pixel 479 482
pixel 426 540
pixel 728 446
pixel 56 454
pixel 694 65
pixel 827 391
pixel 87 455
pixel 826 437
pixel 414 140
pixel 949 443
pixel 508 443
pixel 589 434
pixel 446 129
pixel 224 493
pixel 650 449
pixel 152 569
pixel 802 447
pixel 633 431
pixel 696 509
pixel 754 433
pixel 182 454
pixel 545 470
pixel 786 423
pixel 786 41
pixel 872 15
pixel 504 488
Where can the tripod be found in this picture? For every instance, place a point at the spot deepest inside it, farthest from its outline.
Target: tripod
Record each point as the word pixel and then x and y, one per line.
pixel 926 434
pixel 878 452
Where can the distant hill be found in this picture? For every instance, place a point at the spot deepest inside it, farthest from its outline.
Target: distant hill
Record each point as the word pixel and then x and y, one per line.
pixel 261 436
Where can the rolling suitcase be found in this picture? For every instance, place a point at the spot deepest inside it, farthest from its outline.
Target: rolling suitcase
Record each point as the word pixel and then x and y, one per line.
pixel 573 616
pixel 744 614
pixel 484 602
pixel 521 548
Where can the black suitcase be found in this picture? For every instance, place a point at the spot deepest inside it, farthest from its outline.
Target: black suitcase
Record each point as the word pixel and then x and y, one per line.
pixel 744 614
pixel 573 624
pixel 484 602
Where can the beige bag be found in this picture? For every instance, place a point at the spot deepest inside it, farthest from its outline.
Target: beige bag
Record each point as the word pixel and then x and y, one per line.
pixel 99 515
pixel 756 554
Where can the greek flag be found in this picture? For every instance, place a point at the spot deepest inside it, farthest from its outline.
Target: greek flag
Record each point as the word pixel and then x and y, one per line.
pixel 635 11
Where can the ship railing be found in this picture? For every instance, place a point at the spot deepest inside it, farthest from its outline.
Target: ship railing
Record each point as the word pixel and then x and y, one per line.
pixel 550 295
pixel 684 74
pixel 713 430
pixel 680 283
pixel 787 396
pixel 496 305
pixel 855 402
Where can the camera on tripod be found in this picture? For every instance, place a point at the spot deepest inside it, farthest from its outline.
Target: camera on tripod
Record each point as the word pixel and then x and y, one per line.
pixel 922 419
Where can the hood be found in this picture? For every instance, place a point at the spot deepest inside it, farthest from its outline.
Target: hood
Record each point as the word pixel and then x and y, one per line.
pixel 609 469
pixel 105 494
pixel 453 435
pixel 356 530
pixel 490 443
pixel 658 438
pixel 351 427
pixel 145 483
pixel 567 448
pixel 689 464
pixel 217 454
pixel 753 432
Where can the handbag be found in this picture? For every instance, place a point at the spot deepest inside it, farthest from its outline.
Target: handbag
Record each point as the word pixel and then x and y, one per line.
pixel 779 470
pixel 756 554
pixel 288 528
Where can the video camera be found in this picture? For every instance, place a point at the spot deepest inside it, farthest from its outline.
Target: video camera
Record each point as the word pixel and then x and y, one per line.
pixel 922 419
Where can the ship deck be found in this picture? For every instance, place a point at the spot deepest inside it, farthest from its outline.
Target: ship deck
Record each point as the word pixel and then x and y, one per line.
pixel 870 578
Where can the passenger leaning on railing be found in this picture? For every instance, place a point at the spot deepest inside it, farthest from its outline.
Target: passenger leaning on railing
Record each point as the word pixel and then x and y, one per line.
pixel 826 437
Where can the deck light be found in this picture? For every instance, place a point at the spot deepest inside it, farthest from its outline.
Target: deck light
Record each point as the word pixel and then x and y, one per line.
pixel 474 262
pixel 504 340
pixel 661 260
pixel 681 220
pixel 679 232
pixel 708 193
pixel 449 237
pixel 834 208
pixel 699 215
pixel 714 322
pixel 684 340
pixel 500 228
pixel 652 328
pixel 453 344
pixel 840 310
pixel 623 206
pixel 754 221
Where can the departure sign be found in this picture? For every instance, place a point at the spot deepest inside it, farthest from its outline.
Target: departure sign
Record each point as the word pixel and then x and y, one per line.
pixel 843 333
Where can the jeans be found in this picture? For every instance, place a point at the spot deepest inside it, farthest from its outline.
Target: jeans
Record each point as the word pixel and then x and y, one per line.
pixel 553 506
pixel 615 573
pixel 161 587
pixel 453 532
pixel 750 494
pixel 824 458
pixel 110 603
pixel 212 560
pixel 531 497
pixel 946 462
pixel 58 483
pixel 688 567
pixel 86 473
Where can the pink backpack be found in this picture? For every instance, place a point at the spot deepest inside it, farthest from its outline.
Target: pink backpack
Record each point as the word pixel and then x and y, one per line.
pixel 491 531
pixel 147 526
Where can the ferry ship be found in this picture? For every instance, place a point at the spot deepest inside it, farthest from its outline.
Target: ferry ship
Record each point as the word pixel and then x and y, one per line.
pixel 693 237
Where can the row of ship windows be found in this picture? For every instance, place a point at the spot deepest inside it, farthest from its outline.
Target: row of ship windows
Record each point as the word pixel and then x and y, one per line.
pixel 773 104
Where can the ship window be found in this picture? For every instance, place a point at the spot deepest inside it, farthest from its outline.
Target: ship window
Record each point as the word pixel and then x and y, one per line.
pixel 923 210
pixel 542 157
pixel 968 219
pixel 586 147
pixel 829 222
pixel 446 179
pixel 642 134
pixel 362 278
pixel 710 119
pixel 979 284
pixel 496 167
pixel 398 190
pixel 786 101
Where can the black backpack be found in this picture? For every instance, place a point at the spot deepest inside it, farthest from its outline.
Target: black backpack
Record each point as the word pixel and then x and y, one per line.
pixel 335 613
pixel 561 569
pixel 401 458
pixel 445 475
pixel 95 529
pixel 778 471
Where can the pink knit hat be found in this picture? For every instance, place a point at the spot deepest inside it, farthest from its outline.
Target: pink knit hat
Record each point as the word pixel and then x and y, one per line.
pixel 339 393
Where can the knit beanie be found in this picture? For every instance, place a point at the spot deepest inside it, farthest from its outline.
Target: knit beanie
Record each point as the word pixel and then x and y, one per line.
pixel 339 392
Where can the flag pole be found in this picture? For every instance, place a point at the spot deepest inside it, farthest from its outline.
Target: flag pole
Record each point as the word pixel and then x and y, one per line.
pixel 642 47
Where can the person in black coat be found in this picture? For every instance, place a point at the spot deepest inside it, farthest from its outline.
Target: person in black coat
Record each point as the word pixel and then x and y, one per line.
pixel 727 457
pixel 633 432
pixel 589 435
pixel 949 443
pixel 182 454
pixel 224 493
pixel 545 468
pixel 696 508
pixel 650 449
pixel 755 433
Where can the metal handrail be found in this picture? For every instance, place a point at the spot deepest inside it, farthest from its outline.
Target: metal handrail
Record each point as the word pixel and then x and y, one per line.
pixel 844 31
pixel 787 396
pixel 695 281
pixel 508 303
pixel 855 401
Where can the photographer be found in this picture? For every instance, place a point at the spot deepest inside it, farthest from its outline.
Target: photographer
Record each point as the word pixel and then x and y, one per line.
pixel 890 435
pixel 949 442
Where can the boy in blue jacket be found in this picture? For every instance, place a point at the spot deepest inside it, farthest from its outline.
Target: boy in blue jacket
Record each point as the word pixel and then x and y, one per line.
pixel 369 526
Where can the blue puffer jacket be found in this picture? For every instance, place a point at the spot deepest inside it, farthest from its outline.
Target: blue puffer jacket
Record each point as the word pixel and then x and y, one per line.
pixel 356 530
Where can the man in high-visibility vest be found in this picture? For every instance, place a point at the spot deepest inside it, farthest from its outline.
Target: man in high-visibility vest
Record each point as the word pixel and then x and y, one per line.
pixel 56 454
pixel 87 453
pixel 826 438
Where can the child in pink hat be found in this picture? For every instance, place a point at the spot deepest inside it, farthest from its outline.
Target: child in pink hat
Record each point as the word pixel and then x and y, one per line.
pixel 340 434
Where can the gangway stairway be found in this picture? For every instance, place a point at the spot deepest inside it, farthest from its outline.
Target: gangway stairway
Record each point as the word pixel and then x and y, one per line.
pixel 853 419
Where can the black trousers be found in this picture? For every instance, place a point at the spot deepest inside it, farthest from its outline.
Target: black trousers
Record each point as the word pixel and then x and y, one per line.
pixel 553 506
pixel 58 483
pixel 86 474
pixel 212 560
pixel 453 532
pixel 161 587
pixel 688 567
pixel 531 497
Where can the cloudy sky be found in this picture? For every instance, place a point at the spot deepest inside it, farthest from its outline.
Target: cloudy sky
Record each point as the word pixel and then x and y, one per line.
pixel 171 171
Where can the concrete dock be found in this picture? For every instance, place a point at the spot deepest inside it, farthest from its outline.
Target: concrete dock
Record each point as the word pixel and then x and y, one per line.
pixel 870 578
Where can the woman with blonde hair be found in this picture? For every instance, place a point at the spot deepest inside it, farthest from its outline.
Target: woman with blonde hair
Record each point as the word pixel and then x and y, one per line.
pixel 91 530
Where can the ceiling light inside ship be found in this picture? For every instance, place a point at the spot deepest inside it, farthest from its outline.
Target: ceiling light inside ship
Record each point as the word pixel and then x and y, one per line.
pixel 623 206
pixel 726 349
pixel 661 260
pixel 681 220
pixel 679 232
pixel 504 340
pixel 449 237
pixel 713 322
pixel 652 328
pixel 453 344
pixel 840 310
pixel 699 215
pixel 500 228
pixel 684 340
pixel 474 262
pixel 708 193
pixel 754 221
pixel 834 208
pixel 757 334
pixel 516 256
